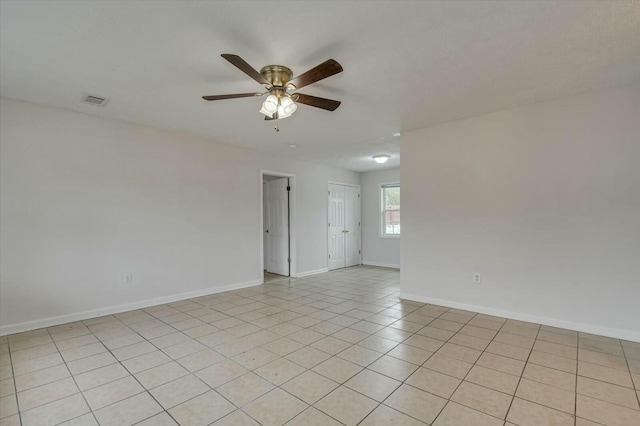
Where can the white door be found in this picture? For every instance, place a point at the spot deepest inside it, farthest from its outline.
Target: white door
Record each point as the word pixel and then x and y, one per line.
pixel 276 226
pixel 336 227
pixel 344 226
pixel 352 225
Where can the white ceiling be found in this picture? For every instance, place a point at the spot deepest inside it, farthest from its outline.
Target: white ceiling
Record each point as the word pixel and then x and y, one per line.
pixel 406 64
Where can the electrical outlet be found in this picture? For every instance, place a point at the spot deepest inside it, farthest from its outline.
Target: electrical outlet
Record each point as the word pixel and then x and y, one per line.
pixel 476 278
pixel 128 278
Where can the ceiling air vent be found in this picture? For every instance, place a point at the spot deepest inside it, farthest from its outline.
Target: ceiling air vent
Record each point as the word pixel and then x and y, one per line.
pixel 94 100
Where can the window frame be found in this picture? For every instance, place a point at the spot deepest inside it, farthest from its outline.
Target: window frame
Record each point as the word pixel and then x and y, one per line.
pixel 383 210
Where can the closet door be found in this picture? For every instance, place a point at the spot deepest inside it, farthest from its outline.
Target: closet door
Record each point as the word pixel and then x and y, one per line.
pixel 344 226
pixel 336 218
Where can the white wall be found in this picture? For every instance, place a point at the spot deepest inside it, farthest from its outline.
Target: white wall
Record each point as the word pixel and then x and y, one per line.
pixel 85 200
pixel 376 250
pixel 543 201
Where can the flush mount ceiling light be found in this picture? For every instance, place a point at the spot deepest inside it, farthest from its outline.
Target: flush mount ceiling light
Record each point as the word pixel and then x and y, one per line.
pixel 381 158
pixel 279 81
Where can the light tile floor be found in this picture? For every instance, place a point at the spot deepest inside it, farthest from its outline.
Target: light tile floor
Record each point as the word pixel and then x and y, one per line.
pixel 268 277
pixel 331 349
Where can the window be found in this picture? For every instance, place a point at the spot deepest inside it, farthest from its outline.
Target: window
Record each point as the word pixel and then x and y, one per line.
pixel 390 196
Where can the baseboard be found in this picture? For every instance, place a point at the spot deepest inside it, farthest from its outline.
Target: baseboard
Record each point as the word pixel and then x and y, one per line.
pixel 380 264
pixel 78 316
pixel 553 322
pixel 314 272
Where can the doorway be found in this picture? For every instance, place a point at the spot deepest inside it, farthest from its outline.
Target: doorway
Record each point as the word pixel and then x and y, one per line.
pixel 277 237
pixel 344 226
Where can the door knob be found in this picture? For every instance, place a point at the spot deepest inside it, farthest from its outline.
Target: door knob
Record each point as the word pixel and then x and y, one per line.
pixel 345 231
pixel 267 231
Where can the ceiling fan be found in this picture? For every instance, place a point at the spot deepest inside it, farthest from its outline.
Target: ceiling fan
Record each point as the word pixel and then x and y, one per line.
pixel 279 82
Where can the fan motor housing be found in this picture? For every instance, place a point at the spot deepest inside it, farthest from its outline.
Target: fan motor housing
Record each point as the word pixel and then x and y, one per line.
pixel 277 75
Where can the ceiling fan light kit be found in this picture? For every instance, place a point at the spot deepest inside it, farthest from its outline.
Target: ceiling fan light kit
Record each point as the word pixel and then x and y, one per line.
pixel 279 81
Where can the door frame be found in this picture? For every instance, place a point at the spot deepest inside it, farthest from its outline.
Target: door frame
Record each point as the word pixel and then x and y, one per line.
pixel 326 210
pixel 293 273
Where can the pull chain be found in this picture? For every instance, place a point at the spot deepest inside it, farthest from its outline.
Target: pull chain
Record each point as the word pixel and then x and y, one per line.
pixel 276 128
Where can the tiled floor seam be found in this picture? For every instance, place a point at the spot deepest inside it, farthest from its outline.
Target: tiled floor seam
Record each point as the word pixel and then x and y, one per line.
pixel 403 382
pixel 13 378
pixel 473 365
pixel 310 405
pixel 575 398
pixel 127 370
pixel 636 386
pixel 74 381
pixel 148 391
pixel 520 380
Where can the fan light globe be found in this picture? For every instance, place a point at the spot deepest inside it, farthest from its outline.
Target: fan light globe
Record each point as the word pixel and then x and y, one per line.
pixel 270 104
pixel 287 107
pixel 382 158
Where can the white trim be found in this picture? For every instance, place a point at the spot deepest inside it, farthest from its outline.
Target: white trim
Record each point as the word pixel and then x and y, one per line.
pixel 380 264
pixel 292 221
pixel 78 316
pixel 314 272
pixel 616 333
pixel 332 182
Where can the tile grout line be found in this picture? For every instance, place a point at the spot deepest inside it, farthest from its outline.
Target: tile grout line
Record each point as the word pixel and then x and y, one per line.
pixel 148 391
pixel 403 382
pixel 473 365
pixel 520 378
pixel 13 378
pixel 636 387
pixel 107 350
pixel 575 397
pixel 435 352
pixel 74 381
pixel 385 354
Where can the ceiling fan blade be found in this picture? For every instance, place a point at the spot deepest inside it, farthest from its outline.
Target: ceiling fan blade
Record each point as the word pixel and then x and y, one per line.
pixel 233 96
pixel 314 101
pixel 243 66
pixel 322 71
